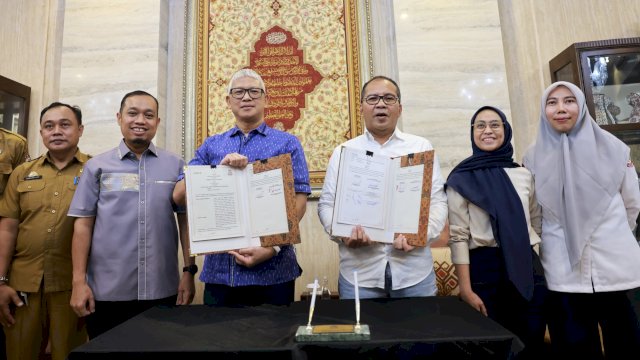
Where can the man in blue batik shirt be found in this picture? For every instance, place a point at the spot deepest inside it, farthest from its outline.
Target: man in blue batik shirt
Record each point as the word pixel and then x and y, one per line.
pixel 257 275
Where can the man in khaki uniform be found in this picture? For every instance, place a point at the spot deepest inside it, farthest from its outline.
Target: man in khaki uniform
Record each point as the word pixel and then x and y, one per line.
pixel 35 243
pixel 13 152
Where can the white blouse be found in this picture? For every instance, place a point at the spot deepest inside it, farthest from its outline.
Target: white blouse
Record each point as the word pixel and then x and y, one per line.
pixel 470 227
pixel 611 258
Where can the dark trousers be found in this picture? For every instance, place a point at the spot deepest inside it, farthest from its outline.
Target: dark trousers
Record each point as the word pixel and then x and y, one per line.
pixel 505 305
pixel 574 319
pixel 110 314
pixel 252 295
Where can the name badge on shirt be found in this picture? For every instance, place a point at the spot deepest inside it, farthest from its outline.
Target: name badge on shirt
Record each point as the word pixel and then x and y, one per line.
pixel 33 176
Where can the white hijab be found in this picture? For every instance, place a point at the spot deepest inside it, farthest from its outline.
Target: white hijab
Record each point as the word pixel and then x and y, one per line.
pixel 576 173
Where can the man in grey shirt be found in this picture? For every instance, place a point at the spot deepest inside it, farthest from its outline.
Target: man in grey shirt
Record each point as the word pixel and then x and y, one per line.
pixel 125 240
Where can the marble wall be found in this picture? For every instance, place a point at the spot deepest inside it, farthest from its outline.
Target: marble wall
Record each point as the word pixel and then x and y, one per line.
pixel 111 48
pixel 451 62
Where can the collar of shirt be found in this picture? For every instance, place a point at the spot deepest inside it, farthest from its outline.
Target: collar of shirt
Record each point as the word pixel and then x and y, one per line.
pixel 397 134
pixel 123 150
pixel 261 129
pixel 78 156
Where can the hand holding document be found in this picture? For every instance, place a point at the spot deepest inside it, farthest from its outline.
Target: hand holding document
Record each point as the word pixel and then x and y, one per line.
pixel 386 196
pixel 230 208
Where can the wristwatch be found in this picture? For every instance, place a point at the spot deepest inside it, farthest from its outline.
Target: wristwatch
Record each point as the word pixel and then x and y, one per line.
pixel 191 269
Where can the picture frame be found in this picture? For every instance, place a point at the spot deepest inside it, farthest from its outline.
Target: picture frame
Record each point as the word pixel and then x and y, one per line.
pixel 322 67
pixel 15 100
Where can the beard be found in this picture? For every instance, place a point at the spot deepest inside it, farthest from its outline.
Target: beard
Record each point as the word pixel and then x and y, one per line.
pixel 138 142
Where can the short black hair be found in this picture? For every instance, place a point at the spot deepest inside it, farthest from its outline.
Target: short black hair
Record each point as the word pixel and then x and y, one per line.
pixel 138 93
pixel 379 77
pixel 75 108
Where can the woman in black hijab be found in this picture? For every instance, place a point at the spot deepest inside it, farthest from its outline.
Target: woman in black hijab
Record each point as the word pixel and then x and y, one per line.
pixel 494 224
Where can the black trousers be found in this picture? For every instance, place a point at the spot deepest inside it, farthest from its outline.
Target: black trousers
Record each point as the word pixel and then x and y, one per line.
pixel 3 346
pixel 110 314
pixel 505 305
pixel 574 320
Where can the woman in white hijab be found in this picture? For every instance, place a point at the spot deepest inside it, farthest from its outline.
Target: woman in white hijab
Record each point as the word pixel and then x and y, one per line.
pixel 588 189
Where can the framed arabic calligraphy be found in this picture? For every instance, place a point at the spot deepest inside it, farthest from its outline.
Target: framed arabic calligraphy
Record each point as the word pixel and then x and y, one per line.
pixel 307 54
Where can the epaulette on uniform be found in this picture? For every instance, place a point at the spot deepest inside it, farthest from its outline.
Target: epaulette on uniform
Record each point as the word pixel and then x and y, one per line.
pixel 7 132
pixel 32 160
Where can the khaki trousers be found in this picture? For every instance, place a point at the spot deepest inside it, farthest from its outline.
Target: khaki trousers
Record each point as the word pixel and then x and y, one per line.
pixel 47 315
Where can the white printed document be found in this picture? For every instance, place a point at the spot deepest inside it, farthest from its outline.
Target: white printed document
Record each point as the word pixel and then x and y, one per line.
pixel 230 208
pixel 386 196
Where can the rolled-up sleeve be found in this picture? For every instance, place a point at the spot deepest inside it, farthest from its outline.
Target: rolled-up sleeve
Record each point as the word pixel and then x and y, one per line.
pixel 459 233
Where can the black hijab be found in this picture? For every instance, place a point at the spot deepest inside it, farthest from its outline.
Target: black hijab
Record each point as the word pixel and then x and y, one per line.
pixel 482 180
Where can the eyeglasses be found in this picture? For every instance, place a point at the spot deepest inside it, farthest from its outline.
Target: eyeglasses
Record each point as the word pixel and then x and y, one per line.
pixel 481 126
pixel 238 93
pixel 375 99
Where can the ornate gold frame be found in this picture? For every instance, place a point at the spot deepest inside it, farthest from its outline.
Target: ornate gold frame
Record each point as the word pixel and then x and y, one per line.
pixel 353 70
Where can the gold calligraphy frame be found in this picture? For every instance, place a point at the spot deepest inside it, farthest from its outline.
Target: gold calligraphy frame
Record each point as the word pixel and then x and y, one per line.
pixel 327 132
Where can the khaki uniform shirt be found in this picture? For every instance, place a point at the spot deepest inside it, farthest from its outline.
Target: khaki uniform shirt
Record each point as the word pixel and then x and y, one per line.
pixel 38 194
pixel 13 152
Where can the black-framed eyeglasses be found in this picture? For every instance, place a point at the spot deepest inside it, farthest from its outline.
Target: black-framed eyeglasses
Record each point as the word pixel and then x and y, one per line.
pixel 238 93
pixel 387 99
pixel 481 125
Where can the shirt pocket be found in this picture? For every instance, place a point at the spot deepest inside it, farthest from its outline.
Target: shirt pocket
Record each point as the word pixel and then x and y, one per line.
pixel 164 187
pixel 31 193
pixel 162 191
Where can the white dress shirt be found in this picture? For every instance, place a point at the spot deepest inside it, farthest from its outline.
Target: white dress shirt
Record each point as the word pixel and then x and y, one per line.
pixel 470 227
pixel 407 268
pixel 611 258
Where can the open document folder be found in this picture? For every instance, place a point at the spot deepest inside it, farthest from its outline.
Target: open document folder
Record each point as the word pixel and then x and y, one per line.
pixel 386 196
pixel 230 208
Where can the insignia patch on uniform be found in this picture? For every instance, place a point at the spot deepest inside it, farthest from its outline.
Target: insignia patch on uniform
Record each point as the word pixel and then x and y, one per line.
pixel 630 164
pixel 33 176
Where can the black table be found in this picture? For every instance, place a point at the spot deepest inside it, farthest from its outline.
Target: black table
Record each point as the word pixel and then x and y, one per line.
pixel 413 328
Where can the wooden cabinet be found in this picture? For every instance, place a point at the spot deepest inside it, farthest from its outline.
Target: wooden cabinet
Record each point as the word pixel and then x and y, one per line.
pixel 608 71
pixel 14 106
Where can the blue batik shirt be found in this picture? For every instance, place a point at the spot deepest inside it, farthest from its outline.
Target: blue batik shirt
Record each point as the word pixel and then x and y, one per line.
pixel 261 143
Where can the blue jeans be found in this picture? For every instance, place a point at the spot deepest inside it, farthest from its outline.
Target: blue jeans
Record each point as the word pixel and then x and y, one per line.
pixel 426 287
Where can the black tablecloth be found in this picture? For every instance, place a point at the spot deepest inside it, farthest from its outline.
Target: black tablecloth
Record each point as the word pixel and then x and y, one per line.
pixel 414 328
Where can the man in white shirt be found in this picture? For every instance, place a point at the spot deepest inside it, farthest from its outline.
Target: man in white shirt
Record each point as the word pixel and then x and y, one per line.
pixel 384 270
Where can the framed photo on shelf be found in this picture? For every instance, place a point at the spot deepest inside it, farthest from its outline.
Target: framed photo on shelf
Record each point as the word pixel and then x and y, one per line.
pixel 608 71
pixel 14 106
